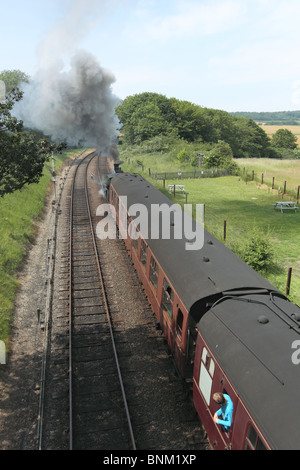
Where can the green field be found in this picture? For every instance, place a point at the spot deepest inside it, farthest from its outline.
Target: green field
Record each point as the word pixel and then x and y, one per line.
pixel 281 170
pixel 20 213
pixel 244 206
pixel 247 207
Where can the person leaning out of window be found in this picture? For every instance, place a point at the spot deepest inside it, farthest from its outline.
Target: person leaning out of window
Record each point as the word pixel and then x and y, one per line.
pixel 225 411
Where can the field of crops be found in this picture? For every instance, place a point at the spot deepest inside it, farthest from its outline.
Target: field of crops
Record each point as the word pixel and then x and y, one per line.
pixel 270 130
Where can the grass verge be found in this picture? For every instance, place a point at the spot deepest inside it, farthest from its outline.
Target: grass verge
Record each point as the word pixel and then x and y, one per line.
pixel 20 213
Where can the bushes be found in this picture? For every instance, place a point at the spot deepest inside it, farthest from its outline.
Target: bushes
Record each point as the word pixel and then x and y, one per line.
pixel 221 156
pixel 256 250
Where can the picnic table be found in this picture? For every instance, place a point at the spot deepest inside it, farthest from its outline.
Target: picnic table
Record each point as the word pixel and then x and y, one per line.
pixel 178 187
pixel 285 205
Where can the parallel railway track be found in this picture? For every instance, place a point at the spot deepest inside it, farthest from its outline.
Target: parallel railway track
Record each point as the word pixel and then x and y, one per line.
pixel 100 313
pixel 91 344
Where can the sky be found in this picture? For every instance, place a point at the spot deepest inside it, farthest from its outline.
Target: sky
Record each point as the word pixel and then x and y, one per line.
pixel 235 55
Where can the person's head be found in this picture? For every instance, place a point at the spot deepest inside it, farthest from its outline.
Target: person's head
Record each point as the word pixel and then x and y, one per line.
pixel 219 398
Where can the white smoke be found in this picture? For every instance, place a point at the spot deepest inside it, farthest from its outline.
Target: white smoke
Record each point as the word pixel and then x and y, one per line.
pixel 70 98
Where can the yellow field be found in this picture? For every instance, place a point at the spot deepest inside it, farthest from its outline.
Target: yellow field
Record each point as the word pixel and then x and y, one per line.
pixel 270 130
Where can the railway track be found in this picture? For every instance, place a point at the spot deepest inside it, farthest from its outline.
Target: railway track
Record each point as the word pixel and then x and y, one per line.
pixel 95 417
pixel 103 343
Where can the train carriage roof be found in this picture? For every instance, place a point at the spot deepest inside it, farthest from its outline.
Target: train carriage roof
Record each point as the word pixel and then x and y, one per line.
pixel 195 274
pixel 251 338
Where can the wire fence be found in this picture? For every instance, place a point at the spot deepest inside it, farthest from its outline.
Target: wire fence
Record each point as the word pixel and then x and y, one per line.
pixel 282 186
pixel 173 175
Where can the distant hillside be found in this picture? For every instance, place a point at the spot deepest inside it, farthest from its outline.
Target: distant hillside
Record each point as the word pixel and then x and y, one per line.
pixel 279 118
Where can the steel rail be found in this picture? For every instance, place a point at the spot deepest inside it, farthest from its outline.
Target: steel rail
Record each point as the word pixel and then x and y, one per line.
pixel 70 370
pixel 108 316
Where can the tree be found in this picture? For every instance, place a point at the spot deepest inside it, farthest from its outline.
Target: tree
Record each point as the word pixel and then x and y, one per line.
pixel 258 252
pixel 253 141
pixel 147 121
pixel 220 156
pixel 191 122
pixel 22 157
pixel 284 138
pixel 144 116
pixel 13 79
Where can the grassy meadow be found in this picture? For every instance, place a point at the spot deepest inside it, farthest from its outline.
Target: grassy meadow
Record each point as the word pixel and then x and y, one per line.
pixel 246 207
pixel 20 213
pixel 280 170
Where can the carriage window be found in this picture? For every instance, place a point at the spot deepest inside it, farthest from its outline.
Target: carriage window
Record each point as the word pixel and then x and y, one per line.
pixel 207 368
pixel 168 297
pixel 123 216
pixel 208 361
pixel 144 253
pixel 136 244
pixel 153 272
pixel 112 196
pixel 179 323
pixel 253 441
pixel 134 235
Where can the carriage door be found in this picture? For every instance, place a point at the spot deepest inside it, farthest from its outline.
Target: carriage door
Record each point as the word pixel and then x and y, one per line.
pixel 167 311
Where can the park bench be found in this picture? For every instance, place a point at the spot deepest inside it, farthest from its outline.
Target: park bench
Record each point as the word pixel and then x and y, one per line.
pixel 285 205
pixel 178 187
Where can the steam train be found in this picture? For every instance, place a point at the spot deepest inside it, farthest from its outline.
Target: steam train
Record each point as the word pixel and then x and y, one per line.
pixel 228 329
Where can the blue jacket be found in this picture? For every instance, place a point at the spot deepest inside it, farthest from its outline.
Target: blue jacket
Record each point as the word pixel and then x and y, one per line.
pixel 226 411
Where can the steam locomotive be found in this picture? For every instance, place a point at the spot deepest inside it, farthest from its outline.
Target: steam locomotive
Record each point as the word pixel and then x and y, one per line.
pixel 228 329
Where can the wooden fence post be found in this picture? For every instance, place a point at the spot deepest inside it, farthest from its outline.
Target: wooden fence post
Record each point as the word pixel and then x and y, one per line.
pixel 288 283
pixel 298 192
pixel 273 181
pixel 284 189
pixel 225 229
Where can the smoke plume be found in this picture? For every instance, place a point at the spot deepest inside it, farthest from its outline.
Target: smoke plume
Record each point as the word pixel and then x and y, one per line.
pixel 70 97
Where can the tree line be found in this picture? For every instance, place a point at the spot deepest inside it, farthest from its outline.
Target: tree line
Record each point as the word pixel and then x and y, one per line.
pixel 145 117
pixel 148 115
pixel 275 117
